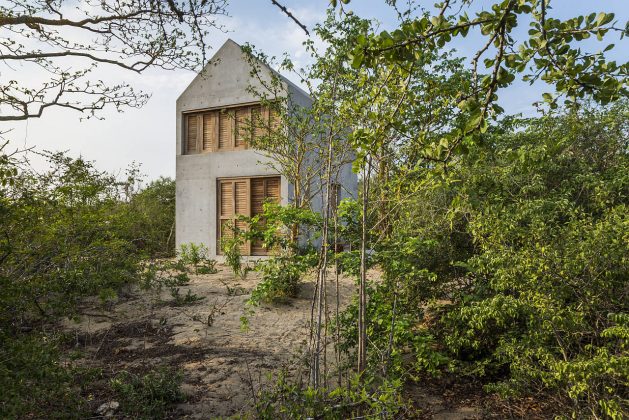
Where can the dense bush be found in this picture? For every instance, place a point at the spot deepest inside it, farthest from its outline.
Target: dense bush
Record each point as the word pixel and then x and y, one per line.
pixel 291 257
pixel 512 267
pixel 67 232
pixel 153 206
pixel 546 303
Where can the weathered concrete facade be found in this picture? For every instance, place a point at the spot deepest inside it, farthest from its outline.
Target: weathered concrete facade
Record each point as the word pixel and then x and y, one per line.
pixel 224 82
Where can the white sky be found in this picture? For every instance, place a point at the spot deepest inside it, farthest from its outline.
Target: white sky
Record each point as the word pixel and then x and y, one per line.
pixel 147 135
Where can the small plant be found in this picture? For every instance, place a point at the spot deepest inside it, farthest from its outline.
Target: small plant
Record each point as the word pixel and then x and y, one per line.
pixel 186 299
pixel 208 267
pixel 196 256
pixel 171 275
pixel 149 396
pixel 231 250
pixel 285 399
pixel 281 278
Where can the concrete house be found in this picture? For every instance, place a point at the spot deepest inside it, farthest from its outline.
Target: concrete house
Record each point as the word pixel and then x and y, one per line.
pixel 218 175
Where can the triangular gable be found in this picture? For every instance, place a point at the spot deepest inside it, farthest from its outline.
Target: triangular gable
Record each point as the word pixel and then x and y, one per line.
pixel 225 81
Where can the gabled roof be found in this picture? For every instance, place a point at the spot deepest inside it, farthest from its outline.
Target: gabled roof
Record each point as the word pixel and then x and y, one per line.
pixel 229 49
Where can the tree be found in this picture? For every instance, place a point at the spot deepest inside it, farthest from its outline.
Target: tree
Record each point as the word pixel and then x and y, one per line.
pixel 552 52
pixel 64 44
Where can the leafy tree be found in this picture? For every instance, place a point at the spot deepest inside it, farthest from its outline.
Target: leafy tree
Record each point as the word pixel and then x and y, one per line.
pixel 551 52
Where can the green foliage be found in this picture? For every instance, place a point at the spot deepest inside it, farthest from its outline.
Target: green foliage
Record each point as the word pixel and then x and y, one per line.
pixel 230 245
pixel 196 255
pixel 276 226
pixel 67 233
pixel 512 266
pixel 282 273
pixel 281 277
pixel 546 299
pixel 153 207
pixel 150 396
pixel 34 384
pixel 287 400
pixel 171 275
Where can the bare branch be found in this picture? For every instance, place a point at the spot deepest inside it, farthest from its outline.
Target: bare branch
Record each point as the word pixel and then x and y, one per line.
pixel 290 15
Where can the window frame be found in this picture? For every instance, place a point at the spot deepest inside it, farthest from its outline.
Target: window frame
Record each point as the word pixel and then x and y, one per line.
pixel 215 112
pixel 220 217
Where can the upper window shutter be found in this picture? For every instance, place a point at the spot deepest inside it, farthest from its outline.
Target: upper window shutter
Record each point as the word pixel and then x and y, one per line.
pixel 225 139
pixel 209 130
pixel 258 121
pixel 275 120
pixel 242 126
pixel 191 134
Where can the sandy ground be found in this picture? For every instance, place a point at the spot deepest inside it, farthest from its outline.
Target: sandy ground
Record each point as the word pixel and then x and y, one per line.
pixel 223 365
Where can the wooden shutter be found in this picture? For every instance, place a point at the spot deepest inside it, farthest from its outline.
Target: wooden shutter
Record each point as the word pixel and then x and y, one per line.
pixel 209 131
pixel 273 189
pixel 242 126
pixel 258 190
pixel 275 120
pixel 226 199
pixel 225 211
pixel 262 189
pixel 225 139
pixel 241 205
pixel 257 195
pixel 258 121
pixel 233 200
pixel 191 134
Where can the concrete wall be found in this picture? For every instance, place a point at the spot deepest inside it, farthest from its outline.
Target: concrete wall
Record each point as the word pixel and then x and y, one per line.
pixel 224 82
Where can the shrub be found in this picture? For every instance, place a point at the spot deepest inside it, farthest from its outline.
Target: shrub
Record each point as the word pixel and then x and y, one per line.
pixel 281 277
pixel 230 245
pixel 149 396
pixel 196 255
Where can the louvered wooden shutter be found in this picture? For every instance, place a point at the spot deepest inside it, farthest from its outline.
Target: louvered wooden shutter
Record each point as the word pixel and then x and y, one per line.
pixel 225 210
pixel 258 121
pixel 191 134
pixel 225 139
pixel 243 127
pixel 262 190
pixel 273 189
pixel 241 200
pixel 233 201
pixel 258 191
pixel 209 131
pixel 275 120
pixel 257 195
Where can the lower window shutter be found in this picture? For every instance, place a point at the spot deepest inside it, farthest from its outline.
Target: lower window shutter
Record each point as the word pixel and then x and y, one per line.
pixel 241 206
pixel 225 211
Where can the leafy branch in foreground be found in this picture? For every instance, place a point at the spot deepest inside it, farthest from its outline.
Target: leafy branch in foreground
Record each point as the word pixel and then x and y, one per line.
pixel 552 51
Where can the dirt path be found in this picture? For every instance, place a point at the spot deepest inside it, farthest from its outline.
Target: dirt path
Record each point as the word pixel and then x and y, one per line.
pixel 222 364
